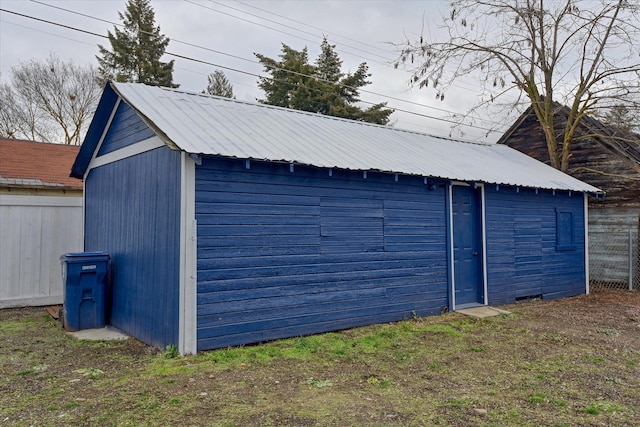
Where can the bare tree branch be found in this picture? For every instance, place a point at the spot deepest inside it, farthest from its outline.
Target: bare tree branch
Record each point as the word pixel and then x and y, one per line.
pixel 584 52
pixel 49 101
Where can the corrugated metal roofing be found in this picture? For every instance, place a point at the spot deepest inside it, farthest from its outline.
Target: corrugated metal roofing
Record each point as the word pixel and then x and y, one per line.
pixel 203 124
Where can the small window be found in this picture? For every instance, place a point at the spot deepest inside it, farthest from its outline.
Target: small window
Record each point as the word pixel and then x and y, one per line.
pixel 564 231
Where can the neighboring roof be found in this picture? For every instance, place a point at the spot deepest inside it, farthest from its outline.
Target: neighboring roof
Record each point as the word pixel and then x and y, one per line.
pixel 204 124
pixel 29 164
pixel 609 159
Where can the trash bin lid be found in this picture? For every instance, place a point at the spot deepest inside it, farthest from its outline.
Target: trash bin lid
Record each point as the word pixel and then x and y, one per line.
pixel 79 256
pixel 86 254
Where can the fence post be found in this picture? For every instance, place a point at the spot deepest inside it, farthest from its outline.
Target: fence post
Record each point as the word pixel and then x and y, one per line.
pixel 631 259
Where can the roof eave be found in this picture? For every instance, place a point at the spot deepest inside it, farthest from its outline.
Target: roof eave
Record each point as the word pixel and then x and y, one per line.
pixel 94 133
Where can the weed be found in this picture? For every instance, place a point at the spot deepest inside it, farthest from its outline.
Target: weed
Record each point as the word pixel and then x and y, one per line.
pixel 593 410
pixel 554 337
pixel 594 359
pixel 558 402
pixel 608 331
pixel 319 383
pixel 602 406
pixel 459 403
pixel 442 329
pixel 307 345
pixel 435 365
pixel 476 349
pixel 91 373
pixel 171 351
pixel 614 380
pixel 538 398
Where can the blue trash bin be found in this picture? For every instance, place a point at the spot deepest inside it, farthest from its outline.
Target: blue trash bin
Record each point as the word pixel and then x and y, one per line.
pixel 84 276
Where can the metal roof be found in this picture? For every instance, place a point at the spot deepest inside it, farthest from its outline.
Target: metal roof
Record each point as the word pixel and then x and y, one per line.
pixel 204 124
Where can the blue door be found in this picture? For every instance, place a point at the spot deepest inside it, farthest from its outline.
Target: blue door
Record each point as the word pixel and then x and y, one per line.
pixel 467 246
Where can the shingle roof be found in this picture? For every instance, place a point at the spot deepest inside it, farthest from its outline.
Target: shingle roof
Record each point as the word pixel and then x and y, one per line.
pixel 203 124
pixel 609 158
pixel 37 165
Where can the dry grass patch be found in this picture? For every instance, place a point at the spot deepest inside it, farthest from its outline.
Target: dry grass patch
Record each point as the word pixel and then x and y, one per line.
pixel 568 362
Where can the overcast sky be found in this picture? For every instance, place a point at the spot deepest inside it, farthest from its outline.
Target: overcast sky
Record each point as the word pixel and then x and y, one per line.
pixel 227 33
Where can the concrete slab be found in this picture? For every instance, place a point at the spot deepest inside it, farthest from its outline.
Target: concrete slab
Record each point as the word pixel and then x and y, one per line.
pixel 482 311
pixel 107 333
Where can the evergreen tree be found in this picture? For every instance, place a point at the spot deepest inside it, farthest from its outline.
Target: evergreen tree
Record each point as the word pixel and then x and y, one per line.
pixel 219 85
pixel 623 117
pixel 136 49
pixel 320 88
pixel 290 81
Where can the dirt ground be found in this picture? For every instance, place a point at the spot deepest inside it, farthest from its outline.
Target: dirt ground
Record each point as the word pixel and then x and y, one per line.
pixel 574 361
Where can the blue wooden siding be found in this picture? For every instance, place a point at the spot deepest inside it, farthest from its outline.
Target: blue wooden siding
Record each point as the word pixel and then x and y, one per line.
pixel 285 254
pixel 132 211
pixel 523 259
pixel 126 129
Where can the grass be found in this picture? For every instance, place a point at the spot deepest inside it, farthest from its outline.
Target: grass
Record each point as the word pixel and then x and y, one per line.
pixel 527 368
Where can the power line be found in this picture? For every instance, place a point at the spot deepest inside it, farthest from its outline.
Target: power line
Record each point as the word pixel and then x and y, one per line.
pixel 288 26
pixel 46 32
pixel 255 62
pixel 187 58
pixel 461 84
pixel 275 29
pixel 305 24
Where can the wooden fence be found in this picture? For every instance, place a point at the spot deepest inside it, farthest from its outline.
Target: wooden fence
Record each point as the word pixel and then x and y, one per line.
pixel 36 230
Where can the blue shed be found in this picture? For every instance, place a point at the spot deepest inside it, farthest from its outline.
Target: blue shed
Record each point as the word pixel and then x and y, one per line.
pixel 231 222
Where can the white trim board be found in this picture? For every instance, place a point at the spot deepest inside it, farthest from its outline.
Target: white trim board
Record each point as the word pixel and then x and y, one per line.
pixel 586 241
pixel 187 318
pixel 125 152
pixel 19 200
pixel 104 134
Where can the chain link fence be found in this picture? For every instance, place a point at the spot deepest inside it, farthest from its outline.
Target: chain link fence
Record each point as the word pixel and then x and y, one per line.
pixel 614 260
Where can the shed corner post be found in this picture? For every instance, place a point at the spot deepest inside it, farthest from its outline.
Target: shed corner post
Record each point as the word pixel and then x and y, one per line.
pixel 449 227
pixel 586 241
pixel 187 339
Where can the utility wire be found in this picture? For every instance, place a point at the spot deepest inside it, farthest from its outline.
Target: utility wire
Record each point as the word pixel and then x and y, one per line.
pixel 46 32
pixel 277 30
pixel 255 62
pixel 290 27
pixel 305 24
pixel 461 84
pixel 187 58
